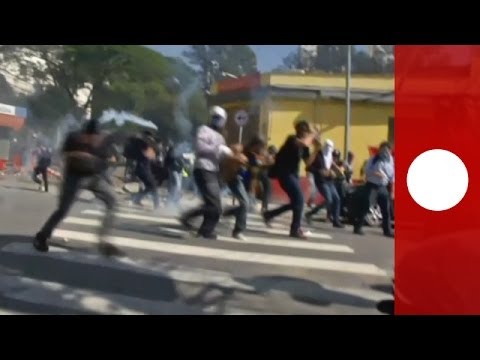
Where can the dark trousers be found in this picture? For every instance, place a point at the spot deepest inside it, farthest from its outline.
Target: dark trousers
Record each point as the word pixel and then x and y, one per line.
pixel 144 173
pixel 44 171
pixel 329 192
pixel 208 185
pixel 291 185
pixel 266 189
pixel 237 188
pixel 341 186
pixel 97 184
pixel 364 202
pixel 129 170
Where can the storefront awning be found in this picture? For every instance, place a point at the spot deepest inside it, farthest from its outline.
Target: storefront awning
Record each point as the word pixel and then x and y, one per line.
pixel 12 116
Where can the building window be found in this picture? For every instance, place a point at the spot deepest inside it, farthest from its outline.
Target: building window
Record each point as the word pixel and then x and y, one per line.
pixel 391 128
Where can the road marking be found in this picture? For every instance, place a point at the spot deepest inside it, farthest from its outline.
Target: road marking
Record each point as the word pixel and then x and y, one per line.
pixel 254 219
pixel 294 244
pixel 171 221
pixel 253 240
pixel 268 231
pixel 230 255
pixel 158 220
pixel 174 272
pixel 62 296
pixel 4 312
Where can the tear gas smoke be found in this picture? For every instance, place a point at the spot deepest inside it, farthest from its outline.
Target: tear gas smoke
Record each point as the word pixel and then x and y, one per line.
pixel 122 117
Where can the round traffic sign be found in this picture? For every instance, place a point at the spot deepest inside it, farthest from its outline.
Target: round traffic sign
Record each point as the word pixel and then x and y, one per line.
pixel 241 118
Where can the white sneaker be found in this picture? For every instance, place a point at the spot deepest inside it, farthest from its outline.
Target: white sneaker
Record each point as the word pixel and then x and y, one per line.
pixel 239 236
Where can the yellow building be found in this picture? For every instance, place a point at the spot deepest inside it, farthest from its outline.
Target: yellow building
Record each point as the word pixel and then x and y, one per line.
pixel 275 101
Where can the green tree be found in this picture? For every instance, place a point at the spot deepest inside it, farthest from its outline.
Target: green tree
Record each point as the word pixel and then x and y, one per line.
pixel 214 62
pixel 7 95
pixel 71 68
pixel 333 59
pixel 128 78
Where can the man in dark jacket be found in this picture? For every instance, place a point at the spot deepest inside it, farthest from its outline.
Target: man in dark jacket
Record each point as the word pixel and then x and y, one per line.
pixel 174 165
pixel 146 155
pixel 86 155
pixel 44 160
pixel 286 170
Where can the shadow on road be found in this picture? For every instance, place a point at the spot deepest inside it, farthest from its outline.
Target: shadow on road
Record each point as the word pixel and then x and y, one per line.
pixel 45 285
pixel 306 291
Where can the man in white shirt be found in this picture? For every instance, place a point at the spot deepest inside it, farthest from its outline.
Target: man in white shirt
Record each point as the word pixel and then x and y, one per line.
pixel 380 176
pixel 210 151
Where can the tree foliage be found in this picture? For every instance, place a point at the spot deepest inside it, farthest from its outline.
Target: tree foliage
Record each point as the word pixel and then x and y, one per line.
pixel 73 78
pixel 333 59
pixel 214 62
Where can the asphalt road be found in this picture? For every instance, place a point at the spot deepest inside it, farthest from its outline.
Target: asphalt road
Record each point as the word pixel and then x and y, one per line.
pixel 167 271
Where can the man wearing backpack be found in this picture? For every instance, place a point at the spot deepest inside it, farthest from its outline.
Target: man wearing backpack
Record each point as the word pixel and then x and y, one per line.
pixel 147 153
pixel 174 165
pixel 86 154
pixel 43 161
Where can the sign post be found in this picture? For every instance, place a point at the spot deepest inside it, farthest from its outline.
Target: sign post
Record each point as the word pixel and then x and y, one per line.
pixel 241 119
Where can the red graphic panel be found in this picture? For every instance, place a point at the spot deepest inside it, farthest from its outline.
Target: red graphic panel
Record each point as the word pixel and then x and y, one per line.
pixel 437 106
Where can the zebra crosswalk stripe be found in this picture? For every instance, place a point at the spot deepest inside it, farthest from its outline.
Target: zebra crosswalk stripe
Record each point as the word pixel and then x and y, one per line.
pixel 252 240
pixel 229 255
pixel 170 221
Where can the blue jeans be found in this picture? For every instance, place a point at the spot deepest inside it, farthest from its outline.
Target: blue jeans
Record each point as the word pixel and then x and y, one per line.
pixel 291 185
pixel 329 191
pixel 237 188
pixel 174 186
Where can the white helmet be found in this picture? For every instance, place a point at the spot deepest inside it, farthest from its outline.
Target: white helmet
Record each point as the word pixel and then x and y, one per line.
pixel 218 111
pixel 219 116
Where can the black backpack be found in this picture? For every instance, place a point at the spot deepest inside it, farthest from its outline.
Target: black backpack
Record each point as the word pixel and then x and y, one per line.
pixel 87 163
pixel 132 148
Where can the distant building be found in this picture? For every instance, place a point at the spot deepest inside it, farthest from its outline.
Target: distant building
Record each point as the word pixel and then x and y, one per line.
pixel 12 119
pixel 274 101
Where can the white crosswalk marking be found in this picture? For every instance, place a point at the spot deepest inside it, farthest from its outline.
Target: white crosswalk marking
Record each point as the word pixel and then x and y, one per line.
pixel 297 257
pixel 4 312
pixel 297 244
pixel 229 255
pixel 170 221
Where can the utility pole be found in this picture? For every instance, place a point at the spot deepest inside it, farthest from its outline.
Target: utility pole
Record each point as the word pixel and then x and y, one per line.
pixel 348 115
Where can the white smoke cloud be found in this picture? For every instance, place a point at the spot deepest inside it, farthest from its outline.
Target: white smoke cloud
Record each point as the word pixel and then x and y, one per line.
pixel 181 114
pixel 122 117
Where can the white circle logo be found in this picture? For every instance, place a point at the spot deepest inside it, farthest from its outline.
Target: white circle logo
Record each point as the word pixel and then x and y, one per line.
pixel 437 180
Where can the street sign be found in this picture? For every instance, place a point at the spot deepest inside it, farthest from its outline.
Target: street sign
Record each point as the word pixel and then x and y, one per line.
pixel 241 118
